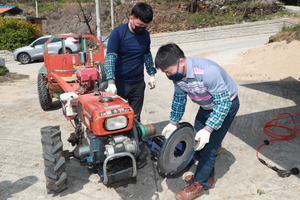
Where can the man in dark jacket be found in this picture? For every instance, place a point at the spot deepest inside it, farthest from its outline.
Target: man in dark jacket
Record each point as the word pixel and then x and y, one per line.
pixel 128 50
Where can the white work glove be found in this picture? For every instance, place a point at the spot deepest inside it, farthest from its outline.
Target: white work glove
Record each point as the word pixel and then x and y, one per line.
pixel 202 137
pixel 168 130
pixel 111 88
pixel 152 82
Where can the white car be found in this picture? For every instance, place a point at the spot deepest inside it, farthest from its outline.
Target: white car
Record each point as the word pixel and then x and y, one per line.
pixel 35 50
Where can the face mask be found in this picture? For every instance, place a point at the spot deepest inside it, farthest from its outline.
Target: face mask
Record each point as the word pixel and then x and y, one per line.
pixel 139 30
pixel 176 76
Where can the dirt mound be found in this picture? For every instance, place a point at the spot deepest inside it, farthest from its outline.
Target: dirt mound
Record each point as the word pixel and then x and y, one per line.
pixel 273 61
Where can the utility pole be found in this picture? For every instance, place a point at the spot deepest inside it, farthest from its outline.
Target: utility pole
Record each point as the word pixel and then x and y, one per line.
pixel 36 9
pixel 112 14
pixel 98 20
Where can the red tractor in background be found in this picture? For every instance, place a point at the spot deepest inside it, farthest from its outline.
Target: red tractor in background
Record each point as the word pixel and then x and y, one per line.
pixel 106 138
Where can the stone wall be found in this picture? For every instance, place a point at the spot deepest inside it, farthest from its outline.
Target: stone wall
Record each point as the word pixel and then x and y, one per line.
pixel 244 30
pixel 2 62
pixel 6 55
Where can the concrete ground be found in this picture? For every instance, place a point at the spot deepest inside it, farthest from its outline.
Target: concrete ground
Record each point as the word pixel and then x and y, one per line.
pixel 239 174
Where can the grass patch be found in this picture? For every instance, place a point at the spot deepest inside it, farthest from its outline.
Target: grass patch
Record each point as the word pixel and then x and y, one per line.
pixel 293 31
pixel 288 34
pixel 293 28
pixel 260 192
pixel 6 76
pixel 235 14
pixel 43 7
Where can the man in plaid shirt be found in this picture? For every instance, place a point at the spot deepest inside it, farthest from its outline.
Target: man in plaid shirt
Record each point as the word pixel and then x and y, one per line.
pixel 210 86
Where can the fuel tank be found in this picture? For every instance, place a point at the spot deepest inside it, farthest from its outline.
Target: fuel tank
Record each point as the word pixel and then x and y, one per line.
pixel 105 114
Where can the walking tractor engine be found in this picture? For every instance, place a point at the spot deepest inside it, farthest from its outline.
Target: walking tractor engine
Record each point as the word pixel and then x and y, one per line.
pixel 114 139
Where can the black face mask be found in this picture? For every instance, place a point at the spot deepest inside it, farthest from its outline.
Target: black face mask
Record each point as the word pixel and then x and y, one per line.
pixel 176 76
pixel 139 30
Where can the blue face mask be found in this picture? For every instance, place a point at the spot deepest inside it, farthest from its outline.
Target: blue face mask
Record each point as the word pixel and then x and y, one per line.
pixel 176 76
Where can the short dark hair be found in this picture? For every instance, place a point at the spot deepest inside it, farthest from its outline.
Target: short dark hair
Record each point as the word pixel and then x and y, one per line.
pixel 143 11
pixel 168 55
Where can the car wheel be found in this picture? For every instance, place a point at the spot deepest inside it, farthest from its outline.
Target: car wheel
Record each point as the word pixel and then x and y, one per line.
pixel 24 58
pixel 68 51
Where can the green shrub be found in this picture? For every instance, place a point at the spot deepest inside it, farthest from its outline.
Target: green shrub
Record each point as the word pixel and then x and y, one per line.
pixel 292 31
pixel 293 28
pixel 3 70
pixel 16 33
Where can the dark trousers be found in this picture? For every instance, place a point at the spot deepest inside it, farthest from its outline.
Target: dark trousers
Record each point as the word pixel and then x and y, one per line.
pixel 207 156
pixel 133 92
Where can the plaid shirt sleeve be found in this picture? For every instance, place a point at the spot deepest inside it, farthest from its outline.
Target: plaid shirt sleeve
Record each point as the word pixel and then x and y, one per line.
pixel 149 64
pixel 109 65
pixel 220 110
pixel 178 107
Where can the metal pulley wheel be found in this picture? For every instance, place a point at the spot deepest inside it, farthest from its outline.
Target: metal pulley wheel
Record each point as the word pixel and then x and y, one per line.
pixel 177 151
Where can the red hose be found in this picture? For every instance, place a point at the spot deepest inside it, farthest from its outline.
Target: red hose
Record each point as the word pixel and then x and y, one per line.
pixel 293 131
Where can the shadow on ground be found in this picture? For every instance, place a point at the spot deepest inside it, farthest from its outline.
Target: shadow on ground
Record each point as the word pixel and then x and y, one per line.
pixel 8 188
pixel 272 99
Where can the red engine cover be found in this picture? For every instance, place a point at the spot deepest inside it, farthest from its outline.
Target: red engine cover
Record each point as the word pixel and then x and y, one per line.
pixel 95 111
pixel 87 74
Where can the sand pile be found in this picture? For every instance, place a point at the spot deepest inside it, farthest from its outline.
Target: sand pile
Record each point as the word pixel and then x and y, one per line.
pixel 273 61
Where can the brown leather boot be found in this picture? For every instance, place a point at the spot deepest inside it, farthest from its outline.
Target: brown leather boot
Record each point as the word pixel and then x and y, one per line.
pixel 190 192
pixel 219 150
pixel 211 180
